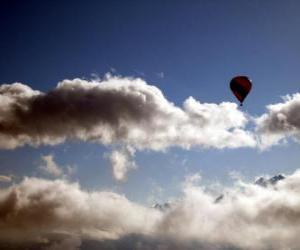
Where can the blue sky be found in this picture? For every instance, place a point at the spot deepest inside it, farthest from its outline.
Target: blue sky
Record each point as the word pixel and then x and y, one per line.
pixel 185 48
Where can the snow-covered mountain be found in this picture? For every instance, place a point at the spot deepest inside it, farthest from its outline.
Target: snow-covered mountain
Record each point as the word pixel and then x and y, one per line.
pixel 264 182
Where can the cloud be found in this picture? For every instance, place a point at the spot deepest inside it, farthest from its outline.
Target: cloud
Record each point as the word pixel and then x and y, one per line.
pixel 37 207
pixel 129 111
pixel 69 243
pixel 193 179
pixel 280 122
pixel 121 162
pixel 50 166
pixel 116 110
pixel 249 216
pixel 160 75
pixel 5 178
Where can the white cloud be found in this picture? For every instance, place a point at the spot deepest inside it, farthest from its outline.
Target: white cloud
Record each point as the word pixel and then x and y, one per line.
pixel 248 217
pixel 280 122
pixel 116 110
pixel 129 111
pixel 121 162
pixel 50 166
pixel 193 179
pixel 37 207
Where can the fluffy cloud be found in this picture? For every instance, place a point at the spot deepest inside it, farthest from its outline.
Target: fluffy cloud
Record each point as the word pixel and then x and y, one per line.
pixel 128 111
pixel 49 166
pixel 36 207
pixel 249 216
pixel 121 162
pixel 118 110
pixel 281 121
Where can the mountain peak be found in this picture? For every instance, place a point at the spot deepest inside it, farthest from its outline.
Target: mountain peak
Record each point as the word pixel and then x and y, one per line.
pixel 264 182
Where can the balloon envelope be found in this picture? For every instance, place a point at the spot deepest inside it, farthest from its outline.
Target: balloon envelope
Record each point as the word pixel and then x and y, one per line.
pixel 240 87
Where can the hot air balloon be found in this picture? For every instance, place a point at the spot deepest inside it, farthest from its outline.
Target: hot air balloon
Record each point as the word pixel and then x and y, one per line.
pixel 240 87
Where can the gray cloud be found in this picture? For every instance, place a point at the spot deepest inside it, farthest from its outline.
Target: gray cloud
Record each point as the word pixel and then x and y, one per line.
pixel 281 121
pixel 116 110
pixel 5 178
pixel 68 243
pixel 248 217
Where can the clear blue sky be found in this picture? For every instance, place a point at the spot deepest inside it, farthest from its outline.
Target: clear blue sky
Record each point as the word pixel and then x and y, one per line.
pixel 197 45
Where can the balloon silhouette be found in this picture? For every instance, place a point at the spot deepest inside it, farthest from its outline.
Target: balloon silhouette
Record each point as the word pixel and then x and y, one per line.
pixel 240 87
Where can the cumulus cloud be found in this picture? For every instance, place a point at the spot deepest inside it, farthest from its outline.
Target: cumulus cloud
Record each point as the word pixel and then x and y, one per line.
pixel 248 216
pixel 280 122
pixel 37 207
pixel 121 162
pixel 116 110
pixel 49 166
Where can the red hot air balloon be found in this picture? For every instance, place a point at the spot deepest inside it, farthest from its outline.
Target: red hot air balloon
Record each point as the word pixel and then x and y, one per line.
pixel 240 87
